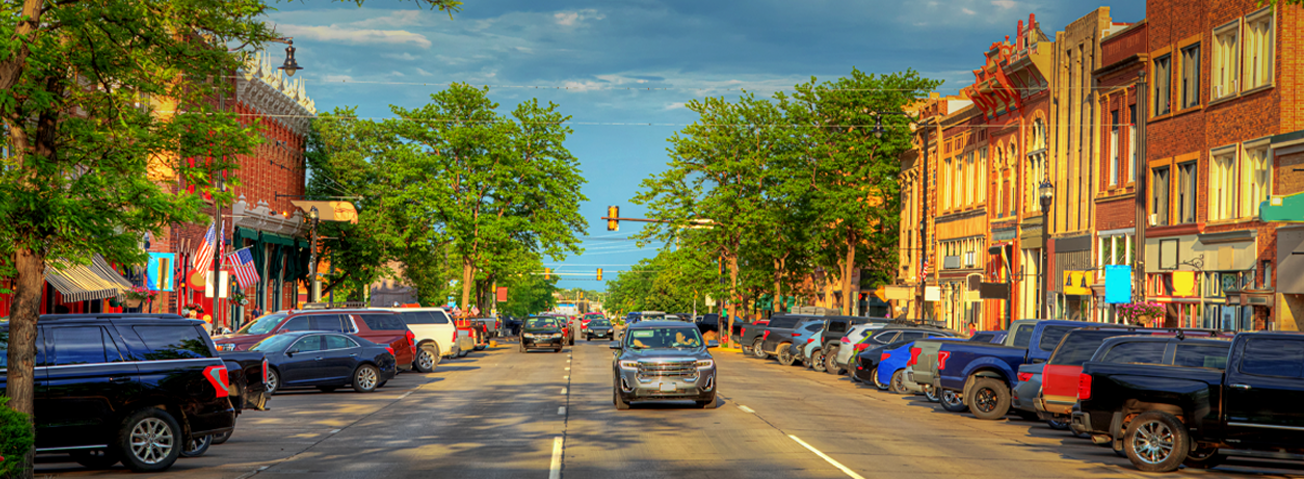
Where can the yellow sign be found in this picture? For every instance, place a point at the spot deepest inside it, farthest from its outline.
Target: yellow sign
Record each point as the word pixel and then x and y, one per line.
pixel 1078 282
pixel 881 293
pixel 1184 283
pixel 330 210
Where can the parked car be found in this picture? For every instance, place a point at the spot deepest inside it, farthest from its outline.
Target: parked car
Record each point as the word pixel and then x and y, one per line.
pixel 851 345
pixel 598 328
pixel 544 332
pixel 246 373
pixel 778 334
pixel 377 326
pixel 663 361
pixel 1197 413
pixel 434 334
pixel 919 350
pixel 326 361
pixel 707 322
pixel 803 342
pixel 893 363
pixel 867 364
pixel 107 378
pixel 830 340
pixel 744 333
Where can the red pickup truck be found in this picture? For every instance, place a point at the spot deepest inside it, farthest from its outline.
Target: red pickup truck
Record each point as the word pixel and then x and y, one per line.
pixel 380 327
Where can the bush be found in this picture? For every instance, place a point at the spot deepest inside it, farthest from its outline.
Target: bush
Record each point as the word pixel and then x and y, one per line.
pixel 15 439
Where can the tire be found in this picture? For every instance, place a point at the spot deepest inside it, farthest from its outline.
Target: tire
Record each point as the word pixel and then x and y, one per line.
pixel 427 358
pixel 197 446
pixel 1156 442
pixel 1058 425
pixel 366 378
pixel 817 360
pixel 831 360
pixel 273 381
pixel 1204 458
pixel 873 378
pixel 785 356
pixel 222 438
pixel 898 385
pixel 931 394
pixel 97 459
pixel 621 403
pixel 711 404
pixel 988 399
pixel 588 338
pixel 161 441
pixel 327 389
pixel 952 401
pixel 851 372
pixel 462 353
pixel 558 350
pixel 758 349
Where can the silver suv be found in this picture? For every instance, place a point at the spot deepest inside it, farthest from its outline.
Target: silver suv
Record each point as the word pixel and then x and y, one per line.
pixel 663 361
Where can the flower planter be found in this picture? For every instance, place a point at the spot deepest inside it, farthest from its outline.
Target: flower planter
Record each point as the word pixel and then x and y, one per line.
pixel 132 303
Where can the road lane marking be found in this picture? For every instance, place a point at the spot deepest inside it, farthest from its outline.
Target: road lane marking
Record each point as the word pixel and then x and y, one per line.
pixel 563 391
pixel 568 369
pixel 554 472
pixel 405 395
pixel 747 409
pixel 565 377
pixel 826 458
pixel 333 431
pixel 561 411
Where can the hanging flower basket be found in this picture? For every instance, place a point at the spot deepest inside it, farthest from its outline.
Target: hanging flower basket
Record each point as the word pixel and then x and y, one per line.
pixel 137 295
pixel 1139 312
pixel 115 302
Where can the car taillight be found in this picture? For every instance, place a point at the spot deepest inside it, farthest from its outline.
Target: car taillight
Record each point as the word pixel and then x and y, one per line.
pixel 264 369
pixel 412 342
pixel 884 356
pixel 914 356
pixel 390 349
pixel 765 335
pixel 796 335
pixel 810 340
pixel 1025 377
pixel 1084 386
pixel 942 356
pixel 844 340
pixel 861 347
pixel 216 376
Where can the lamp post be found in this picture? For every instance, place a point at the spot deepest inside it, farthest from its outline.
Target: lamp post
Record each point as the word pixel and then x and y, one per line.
pixel 1046 192
pixel 314 286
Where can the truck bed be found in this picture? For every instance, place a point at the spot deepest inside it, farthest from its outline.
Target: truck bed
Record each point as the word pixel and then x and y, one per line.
pixel 957 360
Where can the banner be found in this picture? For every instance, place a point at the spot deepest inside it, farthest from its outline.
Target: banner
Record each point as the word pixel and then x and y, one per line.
pixel 1118 284
pixel 160 270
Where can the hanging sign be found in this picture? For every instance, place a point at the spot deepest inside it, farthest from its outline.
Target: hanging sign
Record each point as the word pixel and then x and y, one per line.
pixel 1118 284
pixel 159 272
pixel 1078 282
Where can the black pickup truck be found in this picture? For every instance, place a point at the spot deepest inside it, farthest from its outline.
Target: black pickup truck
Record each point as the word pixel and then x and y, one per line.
pixel 1195 413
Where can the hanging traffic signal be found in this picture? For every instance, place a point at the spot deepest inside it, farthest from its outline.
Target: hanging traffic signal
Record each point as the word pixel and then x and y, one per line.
pixel 547 273
pixel 613 212
pixel 599 274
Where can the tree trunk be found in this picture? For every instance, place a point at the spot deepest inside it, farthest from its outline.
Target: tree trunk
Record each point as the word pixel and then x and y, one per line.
pixel 468 278
pixel 733 296
pixel 848 267
pixel 25 310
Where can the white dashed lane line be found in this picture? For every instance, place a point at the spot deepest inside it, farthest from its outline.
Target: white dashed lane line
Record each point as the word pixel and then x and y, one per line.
pixel 826 458
pixel 746 409
pixel 561 411
pixel 554 472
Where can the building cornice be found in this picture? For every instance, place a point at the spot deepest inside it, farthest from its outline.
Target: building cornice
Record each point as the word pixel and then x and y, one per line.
pixel 268 91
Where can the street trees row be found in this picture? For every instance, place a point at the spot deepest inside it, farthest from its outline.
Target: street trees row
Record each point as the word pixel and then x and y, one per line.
pixel 453 190
pixel 777 188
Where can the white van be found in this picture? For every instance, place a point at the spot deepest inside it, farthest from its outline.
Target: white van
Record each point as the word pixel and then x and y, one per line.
pixel 436 335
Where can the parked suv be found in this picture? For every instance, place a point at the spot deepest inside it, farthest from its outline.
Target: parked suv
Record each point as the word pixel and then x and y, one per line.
pixel 435 335
pixel 377 326
pixel 107 378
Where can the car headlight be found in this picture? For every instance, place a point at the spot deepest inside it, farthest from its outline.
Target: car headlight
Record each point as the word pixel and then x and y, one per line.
pixel 705 363
pixel 528 335
pixel 629 365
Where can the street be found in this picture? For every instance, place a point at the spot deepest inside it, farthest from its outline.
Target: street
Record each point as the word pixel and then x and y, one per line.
pixel 501 414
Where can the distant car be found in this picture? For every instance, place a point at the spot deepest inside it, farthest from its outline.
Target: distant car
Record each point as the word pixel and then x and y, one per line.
pixel 663 361
pixel 707 322
pixel 545 332
pixel 598 328
pixel 326 361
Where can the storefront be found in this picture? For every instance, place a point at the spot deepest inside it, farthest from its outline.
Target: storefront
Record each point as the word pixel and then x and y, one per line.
pixel 1071 296
pixel 281 256
pixel 1205 280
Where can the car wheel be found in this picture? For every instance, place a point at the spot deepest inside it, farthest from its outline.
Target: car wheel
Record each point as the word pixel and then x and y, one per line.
pixel 931 394
pixel 327 389
pixel 222 438
pixel 96 459
pixel 708 404
pixel 463 353
pixel 873 377
pixel 197 446
pixel 851 372
pixel 149 441
pixel 758 349
pixel 898 385
pixel 1156 442
pixel 988 399
pixel 366 378
pixel 817 360
pixel 1058 425
pixel 620 402
pixel 785 356
pixel 952 401
pixel 831 360
pixel 427 358
pixel 272 382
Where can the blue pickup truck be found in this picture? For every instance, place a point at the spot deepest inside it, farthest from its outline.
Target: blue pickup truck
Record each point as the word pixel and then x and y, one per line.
pixel 985 374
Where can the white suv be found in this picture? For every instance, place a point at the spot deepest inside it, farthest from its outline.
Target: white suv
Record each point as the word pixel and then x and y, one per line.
pixel 435 335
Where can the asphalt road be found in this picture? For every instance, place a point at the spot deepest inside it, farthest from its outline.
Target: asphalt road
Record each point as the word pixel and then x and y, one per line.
pixel 503 414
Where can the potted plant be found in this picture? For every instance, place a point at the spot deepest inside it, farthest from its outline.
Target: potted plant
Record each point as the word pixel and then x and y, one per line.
pixel 239 298
pixel 137 295
pixel 1138 312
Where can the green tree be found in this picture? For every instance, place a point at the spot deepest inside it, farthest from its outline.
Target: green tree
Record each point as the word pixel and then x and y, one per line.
pixel 528 294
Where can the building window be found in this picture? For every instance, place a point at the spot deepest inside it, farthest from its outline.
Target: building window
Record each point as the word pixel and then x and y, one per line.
pixel 983 181
pixel 1163 95
pixel 1159 196
pixel 1257 177
pixel 1223 186
pixel 1113 149
pixel 946 186
pixel 1226 55
pixel 1186 176
pixel 971 181
pixel 1190 77
pixel 1258 48
pixel 1131 144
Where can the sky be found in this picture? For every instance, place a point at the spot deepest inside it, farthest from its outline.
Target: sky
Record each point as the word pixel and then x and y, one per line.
pixel 623 69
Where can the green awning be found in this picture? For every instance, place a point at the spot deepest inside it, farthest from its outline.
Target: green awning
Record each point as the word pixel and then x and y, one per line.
pixel 1283 209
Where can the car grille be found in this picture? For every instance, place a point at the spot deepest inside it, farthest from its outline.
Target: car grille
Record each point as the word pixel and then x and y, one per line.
pixel 679 369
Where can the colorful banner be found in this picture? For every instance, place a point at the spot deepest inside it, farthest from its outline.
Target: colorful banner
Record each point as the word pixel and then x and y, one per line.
pixel 1118 284
pixel 159 273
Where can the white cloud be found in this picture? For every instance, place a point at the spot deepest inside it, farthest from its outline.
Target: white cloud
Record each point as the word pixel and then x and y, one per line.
pixel 424 73
pixel 405 56
pixel 342 34
pixel 968 11
pixel 570 19
pixel 673 106
pixel 336 78
pixel 397 73
pixel 1005 4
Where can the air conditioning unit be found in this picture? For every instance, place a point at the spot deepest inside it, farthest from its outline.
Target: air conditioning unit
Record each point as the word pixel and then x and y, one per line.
pixel 1154 219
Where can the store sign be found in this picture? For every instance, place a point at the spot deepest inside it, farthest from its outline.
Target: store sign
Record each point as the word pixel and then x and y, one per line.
pixel 1118 284
pixel 932 293
pixel 160 271
pixel 1078 282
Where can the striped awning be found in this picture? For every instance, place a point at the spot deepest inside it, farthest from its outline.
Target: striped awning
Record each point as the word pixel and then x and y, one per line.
pixel 85 282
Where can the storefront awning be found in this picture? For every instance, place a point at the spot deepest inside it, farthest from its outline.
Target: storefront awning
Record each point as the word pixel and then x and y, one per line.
pixel 85 282
pixel 1283 209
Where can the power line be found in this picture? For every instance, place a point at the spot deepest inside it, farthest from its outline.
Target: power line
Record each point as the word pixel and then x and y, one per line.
pixel 591 87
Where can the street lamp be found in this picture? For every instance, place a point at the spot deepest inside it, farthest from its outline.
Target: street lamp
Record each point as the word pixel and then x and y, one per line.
pixel 291 65
pixel 314 286
pixel 1045 192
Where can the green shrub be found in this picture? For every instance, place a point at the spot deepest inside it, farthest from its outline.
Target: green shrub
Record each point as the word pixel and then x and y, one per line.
pixel 15 439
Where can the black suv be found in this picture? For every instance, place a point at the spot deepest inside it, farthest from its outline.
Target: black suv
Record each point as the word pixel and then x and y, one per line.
pixel 133 388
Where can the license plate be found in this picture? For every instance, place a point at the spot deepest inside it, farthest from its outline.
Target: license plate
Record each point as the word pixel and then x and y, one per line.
pixel 667 387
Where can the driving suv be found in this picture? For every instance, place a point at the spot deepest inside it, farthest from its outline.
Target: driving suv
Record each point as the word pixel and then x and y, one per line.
pixel 107 379
pixel 663 361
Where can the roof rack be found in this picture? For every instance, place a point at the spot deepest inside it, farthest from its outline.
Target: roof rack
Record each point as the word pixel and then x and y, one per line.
pixel 336 305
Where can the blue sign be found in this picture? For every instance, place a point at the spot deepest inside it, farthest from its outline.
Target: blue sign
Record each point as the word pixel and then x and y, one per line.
pixel 1118 284
pixel 158 274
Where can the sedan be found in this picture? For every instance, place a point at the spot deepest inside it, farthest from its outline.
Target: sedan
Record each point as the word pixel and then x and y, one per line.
pixel 598 328
pixel 543 333
pixel 326 361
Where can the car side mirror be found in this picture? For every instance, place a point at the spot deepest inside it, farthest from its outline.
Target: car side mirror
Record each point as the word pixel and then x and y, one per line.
pixel 292 352
pixel 615 345
pixel 712 344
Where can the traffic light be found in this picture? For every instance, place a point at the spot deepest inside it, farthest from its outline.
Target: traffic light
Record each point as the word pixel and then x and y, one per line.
pixel 613 212
pixel 599 274
pixel 547 273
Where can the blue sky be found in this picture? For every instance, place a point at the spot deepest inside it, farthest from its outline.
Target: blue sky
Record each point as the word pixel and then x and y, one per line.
pixel 606 55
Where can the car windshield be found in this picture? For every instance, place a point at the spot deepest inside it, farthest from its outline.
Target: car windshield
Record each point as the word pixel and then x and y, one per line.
pixel 664 338
pixel 541 323
pixel 652 317
pixel 274 344
pixel 262 325
pixel 599 323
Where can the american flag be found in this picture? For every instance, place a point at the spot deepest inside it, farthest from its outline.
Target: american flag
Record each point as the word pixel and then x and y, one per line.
pixel 203 259
pixel 242 261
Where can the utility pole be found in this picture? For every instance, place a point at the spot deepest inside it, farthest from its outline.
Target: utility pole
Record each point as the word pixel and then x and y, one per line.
pixel 1138 251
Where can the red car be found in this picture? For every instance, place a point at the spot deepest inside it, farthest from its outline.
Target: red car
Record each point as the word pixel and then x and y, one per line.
pixel 380 327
